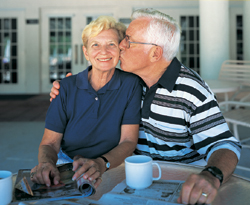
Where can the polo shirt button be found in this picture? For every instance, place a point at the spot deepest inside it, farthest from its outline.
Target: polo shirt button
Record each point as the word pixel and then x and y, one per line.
pixel 96 98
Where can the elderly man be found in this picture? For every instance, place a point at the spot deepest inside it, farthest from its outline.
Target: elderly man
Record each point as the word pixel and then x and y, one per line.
pixel 181 120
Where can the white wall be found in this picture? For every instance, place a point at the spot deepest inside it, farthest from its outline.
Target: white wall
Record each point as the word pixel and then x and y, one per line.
pixel 32 9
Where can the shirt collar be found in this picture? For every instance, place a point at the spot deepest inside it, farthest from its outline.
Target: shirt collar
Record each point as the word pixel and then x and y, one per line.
pixel 83 83
pixel 169 77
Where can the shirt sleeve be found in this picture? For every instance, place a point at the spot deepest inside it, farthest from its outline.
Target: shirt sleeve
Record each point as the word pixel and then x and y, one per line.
pixel 210 131
pixel 132 113
pixel 56 118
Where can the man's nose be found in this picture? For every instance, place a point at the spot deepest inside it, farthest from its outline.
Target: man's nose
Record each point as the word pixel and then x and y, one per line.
pixel 122 44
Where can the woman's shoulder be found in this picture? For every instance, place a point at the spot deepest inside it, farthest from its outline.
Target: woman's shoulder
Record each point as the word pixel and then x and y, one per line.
pixel 68 81
pixel 127 76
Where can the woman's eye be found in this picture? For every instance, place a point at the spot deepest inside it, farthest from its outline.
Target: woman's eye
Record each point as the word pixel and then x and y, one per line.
pixel 95 45
pixel 112 44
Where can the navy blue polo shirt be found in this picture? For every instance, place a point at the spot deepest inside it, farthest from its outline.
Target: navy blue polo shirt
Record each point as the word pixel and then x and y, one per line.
pixel 91 121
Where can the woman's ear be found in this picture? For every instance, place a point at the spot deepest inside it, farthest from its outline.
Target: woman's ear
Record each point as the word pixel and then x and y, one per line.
pixel 85 53
pixel 156 53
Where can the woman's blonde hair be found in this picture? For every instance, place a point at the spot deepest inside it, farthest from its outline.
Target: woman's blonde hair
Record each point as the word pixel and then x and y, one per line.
pixel 102 23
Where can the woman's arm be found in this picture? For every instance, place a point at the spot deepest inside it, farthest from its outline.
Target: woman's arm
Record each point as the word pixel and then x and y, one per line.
pixel 46 171
pixel 94 168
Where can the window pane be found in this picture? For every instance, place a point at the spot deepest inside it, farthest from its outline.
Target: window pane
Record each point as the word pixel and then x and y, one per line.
pixel 14 77
pixel 14 64
pixel 191 48
pixel 197 22
pixel 13 24
pixel 60 23
pixel 68 37
pixel 89 19
pixel 60 37
pixel 53 37
pixel 191 35
pixel 191 62
pixel 239 20
pixel 183 35
pixel 14 50
pixel 191 21
pixel 240 48
pixel 13 37
pixel 183 49
pixel 60 48
pixel 0 24
pixel 68 23
pixel 239 34
pixel 183 22
pixel 6 24
pixel 52 23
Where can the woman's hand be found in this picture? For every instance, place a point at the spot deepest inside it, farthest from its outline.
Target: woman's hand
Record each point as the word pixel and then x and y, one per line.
pixel 45 173
pixel 91 168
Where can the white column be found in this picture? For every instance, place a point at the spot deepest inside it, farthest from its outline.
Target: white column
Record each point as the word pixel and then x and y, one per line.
pixel 246 30
pixel 214 36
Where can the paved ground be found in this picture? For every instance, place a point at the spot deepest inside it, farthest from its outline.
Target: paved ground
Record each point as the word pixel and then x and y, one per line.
pixel 21 130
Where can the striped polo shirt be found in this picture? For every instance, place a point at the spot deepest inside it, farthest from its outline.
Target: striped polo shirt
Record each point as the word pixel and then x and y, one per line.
pixel 181 120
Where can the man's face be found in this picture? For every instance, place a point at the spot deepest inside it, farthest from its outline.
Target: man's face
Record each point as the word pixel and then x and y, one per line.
pixel 135 59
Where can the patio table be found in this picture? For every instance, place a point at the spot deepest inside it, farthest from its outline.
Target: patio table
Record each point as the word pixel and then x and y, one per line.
pixel 235 191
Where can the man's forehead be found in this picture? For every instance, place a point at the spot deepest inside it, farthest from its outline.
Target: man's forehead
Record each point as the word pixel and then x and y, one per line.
pixel 137 25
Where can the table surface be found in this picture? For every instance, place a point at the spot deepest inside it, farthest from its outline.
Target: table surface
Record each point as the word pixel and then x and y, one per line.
pixel 235 191
pixel 222 86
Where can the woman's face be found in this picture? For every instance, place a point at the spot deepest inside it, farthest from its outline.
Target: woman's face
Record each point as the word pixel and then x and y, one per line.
pixel 103 50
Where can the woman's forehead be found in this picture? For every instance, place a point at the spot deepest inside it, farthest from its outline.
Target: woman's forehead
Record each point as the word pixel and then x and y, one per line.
pixel 110 34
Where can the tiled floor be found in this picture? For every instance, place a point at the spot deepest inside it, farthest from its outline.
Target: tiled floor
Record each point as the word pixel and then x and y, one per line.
pixel 22 126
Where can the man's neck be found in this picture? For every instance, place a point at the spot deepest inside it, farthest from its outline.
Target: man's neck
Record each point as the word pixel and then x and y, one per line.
pixel 154 73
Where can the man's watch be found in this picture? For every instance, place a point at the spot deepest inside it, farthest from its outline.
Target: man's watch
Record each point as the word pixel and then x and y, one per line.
pixel 216 172
pixel 106 161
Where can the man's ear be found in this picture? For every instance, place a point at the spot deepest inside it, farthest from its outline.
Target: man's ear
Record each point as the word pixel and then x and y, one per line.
pixel 85 53
pixel 156 53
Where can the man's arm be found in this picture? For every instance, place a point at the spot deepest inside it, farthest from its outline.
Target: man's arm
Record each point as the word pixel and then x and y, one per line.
pixel 55 89
pixel 196 184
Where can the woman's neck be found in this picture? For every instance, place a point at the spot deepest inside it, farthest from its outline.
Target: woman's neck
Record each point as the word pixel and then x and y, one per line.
pixel 99 79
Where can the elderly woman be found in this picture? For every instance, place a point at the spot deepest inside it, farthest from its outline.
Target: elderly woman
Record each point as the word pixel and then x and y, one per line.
pixel 95 120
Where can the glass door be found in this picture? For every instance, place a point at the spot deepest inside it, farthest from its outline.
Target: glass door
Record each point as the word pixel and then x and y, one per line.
pixel 12 78
pixel 61 42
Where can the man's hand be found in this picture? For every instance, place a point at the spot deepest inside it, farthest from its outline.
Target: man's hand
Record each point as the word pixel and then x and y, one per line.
pixel 45 173
pixel 55 89
pixel 91 168
pixel 196 185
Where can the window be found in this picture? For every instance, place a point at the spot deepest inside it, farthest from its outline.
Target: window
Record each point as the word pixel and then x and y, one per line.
pixel 60 54
pixel 239 37
pixel 189 48
pixel 8 51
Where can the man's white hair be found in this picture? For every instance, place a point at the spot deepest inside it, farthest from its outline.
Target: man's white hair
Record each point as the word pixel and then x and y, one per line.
pixel 162 30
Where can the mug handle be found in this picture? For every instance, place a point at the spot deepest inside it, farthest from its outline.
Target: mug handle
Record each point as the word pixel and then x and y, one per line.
pixel 158 166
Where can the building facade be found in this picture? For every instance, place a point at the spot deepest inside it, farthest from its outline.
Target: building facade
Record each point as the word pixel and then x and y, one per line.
pixel 40 41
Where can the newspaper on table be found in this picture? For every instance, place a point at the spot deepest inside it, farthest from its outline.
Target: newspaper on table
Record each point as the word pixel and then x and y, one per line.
pixel 26 190
pixel 160 192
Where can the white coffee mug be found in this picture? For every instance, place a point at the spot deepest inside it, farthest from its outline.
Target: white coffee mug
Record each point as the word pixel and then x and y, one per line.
pixel 5 187
pixel 139 171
